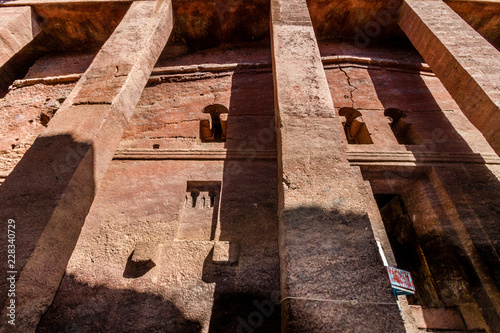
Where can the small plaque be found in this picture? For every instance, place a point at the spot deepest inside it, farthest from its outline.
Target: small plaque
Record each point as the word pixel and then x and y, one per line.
pixel 401 281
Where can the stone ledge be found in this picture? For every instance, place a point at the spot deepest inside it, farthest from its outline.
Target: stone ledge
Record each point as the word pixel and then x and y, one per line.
pixel 191 154
pixel 14 3
pixel 159 73
pixel 419 158
pixel 355 158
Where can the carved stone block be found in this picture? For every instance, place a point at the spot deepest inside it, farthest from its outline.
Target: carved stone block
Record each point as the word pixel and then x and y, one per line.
pixel 225 253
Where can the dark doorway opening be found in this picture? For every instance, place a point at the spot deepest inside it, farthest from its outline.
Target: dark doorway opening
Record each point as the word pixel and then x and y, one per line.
pixel 407 251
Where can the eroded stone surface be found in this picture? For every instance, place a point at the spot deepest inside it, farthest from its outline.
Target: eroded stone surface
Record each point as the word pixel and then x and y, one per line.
pixel 185 277
pixel 25 113
pixel 160 121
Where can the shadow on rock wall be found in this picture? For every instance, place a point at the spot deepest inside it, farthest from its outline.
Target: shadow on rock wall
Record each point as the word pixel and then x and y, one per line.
pixel 247 296
pixel 100 309
pixel 33 197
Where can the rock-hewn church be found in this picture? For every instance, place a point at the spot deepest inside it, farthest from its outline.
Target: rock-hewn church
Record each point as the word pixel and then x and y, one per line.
pixel 250 166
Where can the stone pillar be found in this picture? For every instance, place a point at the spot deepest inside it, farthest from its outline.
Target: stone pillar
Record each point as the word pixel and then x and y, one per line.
pixel 50 191
pixel 467 65
pixel 18 27
pixel 332 276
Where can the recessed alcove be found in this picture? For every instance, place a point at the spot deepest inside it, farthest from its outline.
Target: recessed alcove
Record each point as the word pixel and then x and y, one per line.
pixel 199 214
pixel 411 227
pixel 404 131
pixel 355 129
pixel 406 247
pixel 214 129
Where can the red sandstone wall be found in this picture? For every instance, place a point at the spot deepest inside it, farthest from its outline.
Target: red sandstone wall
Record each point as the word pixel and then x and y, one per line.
pixel 24 113
pixel 169 114
pixel 142 200
pixel 427 103
pixel 450 201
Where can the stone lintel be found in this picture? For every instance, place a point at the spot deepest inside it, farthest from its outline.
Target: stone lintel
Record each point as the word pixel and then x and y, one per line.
pixel 466 63
pixel 56 180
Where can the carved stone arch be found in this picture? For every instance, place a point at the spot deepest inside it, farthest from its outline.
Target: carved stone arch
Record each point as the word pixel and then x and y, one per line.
pixel 214 129
pixel 355 129
pixel 404 131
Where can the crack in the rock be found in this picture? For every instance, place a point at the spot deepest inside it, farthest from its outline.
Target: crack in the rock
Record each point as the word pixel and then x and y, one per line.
pixel 167 137
pixel 91 103
pixel 350 85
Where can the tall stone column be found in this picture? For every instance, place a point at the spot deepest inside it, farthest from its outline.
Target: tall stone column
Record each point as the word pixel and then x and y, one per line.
pixel 466 63
pixel 50 191
pixel 18 27
pixel 332 276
